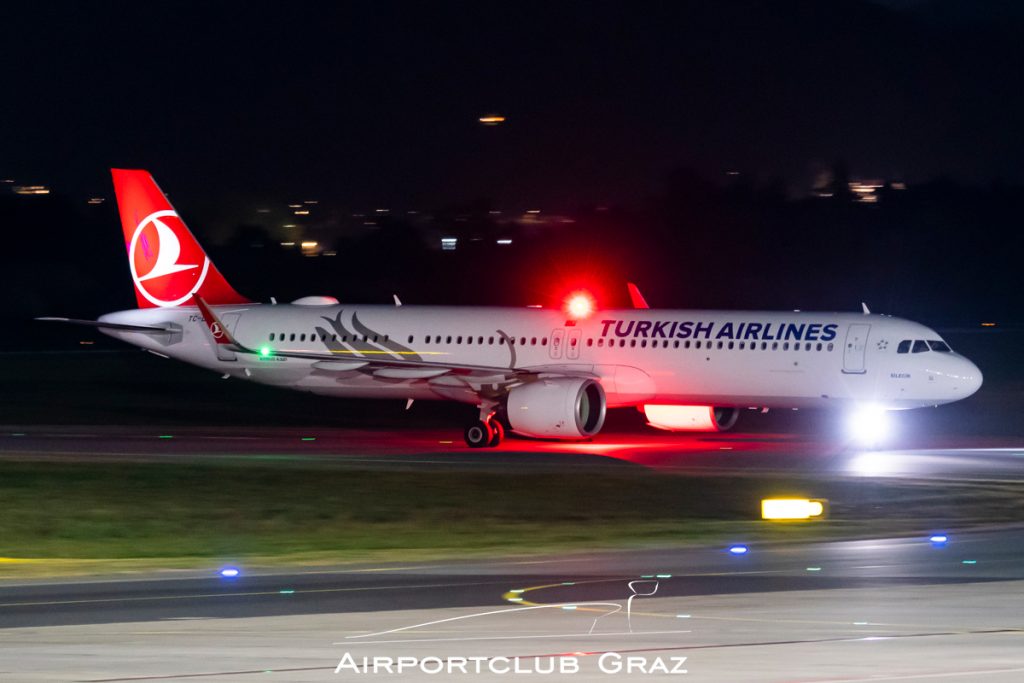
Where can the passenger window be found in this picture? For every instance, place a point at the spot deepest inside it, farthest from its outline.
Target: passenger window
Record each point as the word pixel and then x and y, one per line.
pixel 720 344
pixel 410 339
pixel 437 339
pixel 302 337
pixel 572 342
pixel 697 344
pixel 590 341
pixel 334 337
pixel 686 343
pixel 807 346
pixel 448 340
pixel 271 336
pixel 293 336
pixel 819 346
pixel 742 346
pixel 458 340
pixel 764 345
pixel 632 343
pixel 490 340
pixel 600 343
pixel 939 345
pixel 904 346
pixel 830 346
pixel 785 346
pixel 522 341
pixel 479 340
pixel 543 341
pixel 919 346
pixel 775 346
pixel 533 341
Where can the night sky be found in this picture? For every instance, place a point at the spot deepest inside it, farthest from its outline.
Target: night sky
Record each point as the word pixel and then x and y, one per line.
pixel 376 103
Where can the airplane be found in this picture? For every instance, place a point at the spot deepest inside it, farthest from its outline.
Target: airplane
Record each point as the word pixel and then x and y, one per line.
pixel 545 373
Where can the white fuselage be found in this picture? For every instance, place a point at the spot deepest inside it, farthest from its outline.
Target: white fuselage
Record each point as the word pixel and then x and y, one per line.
pixel 640 356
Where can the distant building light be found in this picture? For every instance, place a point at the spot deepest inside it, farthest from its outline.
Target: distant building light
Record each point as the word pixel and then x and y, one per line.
pixel 988 324
pixel 503 241
pixel 492 120
pixel 7 180
pixel 732 173
pixel 262 210
pixel 412 213
pixel 899 185
pixel 311 201
pixel 302 212
pixel 381 210
pixel 449 243
pixel 330 253
pixel 534 211
pixel 309 245
pixel 31 189
pixel 372 224
pixel 289 225
pixel 287 244
pixel 95 200
pixel 295 206
pixel 494 213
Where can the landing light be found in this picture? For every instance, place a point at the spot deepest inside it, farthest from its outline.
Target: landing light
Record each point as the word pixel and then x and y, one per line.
pixel 869 425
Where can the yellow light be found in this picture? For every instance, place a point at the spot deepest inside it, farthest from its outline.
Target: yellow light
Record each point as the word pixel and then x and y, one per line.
pixel 309 245
pixel 988 324
pixel 791 508
pixel 492 120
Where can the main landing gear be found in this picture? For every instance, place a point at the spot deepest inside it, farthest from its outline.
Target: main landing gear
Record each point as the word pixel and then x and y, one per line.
pixel 486 432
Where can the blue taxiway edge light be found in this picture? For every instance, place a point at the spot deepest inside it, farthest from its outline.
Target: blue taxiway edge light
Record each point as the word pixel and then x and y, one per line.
pixel 739 549
pixel 229 572
pixel 938 539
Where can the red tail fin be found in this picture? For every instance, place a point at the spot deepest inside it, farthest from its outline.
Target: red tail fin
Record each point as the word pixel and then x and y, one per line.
pixel 167 263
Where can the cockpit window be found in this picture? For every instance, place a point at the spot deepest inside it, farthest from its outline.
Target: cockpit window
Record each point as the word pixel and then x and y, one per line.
pixel 939 345
pixel 904 346
pixel 919 346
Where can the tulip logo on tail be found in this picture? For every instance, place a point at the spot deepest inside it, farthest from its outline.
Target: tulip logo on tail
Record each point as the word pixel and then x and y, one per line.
pixel 165 273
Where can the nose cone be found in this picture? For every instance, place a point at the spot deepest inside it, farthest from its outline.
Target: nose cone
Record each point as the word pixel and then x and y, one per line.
pixel 969 378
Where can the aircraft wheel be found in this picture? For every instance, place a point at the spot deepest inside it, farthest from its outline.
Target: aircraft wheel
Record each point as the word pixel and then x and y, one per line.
pixel 497 433
pixel 478 434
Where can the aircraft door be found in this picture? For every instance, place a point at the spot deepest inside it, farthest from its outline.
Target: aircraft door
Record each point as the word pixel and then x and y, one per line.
pixel 572 352
pixel 855 349
pixel 557 341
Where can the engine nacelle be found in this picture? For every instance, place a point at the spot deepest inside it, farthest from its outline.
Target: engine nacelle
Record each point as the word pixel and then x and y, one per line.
pixel 558 408
pixel 691 418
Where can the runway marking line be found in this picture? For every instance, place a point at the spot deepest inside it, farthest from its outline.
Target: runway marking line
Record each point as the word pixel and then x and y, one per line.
pixel 149 598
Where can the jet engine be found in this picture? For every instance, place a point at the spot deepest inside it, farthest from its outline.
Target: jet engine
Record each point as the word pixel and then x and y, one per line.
pixel 691 418
pixel 557 408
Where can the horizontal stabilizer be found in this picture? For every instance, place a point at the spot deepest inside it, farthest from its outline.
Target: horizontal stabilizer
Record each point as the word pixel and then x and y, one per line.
pixel 107 326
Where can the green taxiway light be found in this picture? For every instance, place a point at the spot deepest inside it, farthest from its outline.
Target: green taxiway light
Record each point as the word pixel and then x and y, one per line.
pixel 309 438
pixel 166 436
pixel 286 591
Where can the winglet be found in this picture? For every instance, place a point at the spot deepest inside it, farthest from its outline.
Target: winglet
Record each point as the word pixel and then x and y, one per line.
pixel 636 297
pixel 865 307
pixel 398 302
pixel 217 329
